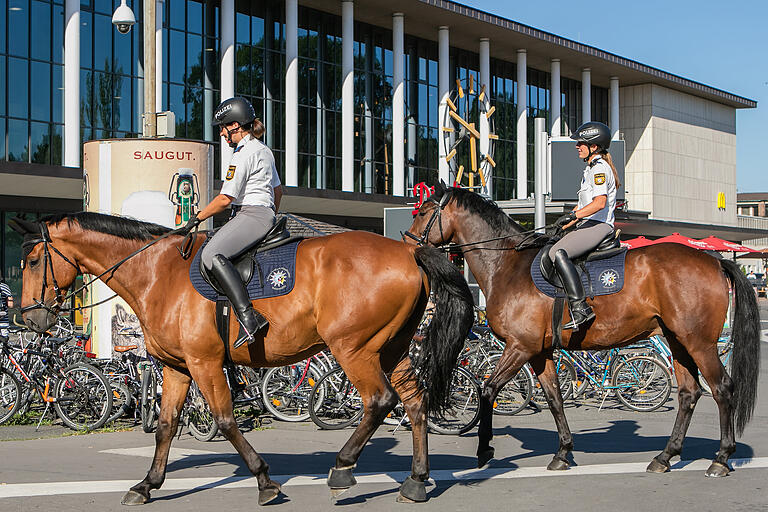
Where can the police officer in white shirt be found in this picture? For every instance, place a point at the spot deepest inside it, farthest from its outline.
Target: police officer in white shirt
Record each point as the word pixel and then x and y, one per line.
pixel 592 218
pixel 252 188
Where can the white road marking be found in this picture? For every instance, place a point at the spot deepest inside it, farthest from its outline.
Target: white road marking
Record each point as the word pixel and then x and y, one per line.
pixel 764 335
pixel 232 482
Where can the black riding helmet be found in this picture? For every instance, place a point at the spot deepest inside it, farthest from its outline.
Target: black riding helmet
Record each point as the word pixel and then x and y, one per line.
pixel 235 109
pixel 593 132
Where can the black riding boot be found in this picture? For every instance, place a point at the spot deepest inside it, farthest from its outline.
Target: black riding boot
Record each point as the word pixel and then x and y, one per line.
pixel 574 290
pixel 229 280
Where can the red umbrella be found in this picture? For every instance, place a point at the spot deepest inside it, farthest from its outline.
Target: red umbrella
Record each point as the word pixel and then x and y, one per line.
pixel 677 238
pixel 640 241
pixel 725 245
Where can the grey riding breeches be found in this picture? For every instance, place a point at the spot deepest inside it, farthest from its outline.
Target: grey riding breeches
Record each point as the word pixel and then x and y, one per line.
pixel 250 224
pixel 583 239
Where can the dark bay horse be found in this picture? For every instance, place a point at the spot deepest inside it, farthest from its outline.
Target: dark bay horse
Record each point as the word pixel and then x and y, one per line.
pixel 357 293
pixel 668 289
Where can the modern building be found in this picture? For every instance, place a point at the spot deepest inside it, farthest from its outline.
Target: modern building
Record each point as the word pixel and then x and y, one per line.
pixel 354 96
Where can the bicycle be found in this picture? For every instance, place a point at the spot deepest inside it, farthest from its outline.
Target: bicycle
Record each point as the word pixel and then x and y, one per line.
pixel 286 389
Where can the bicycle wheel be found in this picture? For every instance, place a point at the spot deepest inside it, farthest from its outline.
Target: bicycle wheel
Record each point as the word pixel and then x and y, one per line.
pixel 148 399
pixel 286 390
pixel 566 376
pixel 10 395
pixel 516 394
pixel 334 402
pixel 200 419
pixel 122 401
pixel 464 410
pixel 83 397
pixel 642 383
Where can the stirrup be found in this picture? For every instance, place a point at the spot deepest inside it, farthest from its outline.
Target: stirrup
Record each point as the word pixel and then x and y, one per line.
pixel 579 317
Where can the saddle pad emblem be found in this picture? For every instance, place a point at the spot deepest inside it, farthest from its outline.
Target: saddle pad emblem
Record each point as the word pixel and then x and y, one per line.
pixel 278 278
pixel 599 178
pixel 231 172
pixel 609 278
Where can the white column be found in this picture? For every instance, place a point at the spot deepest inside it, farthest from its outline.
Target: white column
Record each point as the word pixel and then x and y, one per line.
pixel 614 112
pixel 485 80
pixel 347 96
pixel 72 84
pixel 522 124
pixel 443 90
pixel 586 95
pixel 159 5
pixel 554 100
pixel 291 93
pixel 227 69
pixel 398 105
pixel 540 175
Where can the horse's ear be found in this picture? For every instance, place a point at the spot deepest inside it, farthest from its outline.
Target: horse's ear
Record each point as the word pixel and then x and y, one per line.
pixel 23 227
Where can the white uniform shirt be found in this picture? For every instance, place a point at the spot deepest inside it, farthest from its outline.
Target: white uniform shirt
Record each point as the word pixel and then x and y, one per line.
pixel 598 181
pixel 251 176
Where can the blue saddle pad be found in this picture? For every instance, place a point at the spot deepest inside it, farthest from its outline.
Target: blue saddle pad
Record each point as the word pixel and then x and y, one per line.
pixel 278 274
pixel 605 277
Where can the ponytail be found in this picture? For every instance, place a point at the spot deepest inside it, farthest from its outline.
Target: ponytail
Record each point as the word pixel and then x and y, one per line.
pixel 257 130
pixel 607 157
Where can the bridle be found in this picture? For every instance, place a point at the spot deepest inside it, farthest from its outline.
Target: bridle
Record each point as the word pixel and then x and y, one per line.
pixel 436 216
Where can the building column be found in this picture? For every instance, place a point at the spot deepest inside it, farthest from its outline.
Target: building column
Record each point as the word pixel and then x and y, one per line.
pixel 292 93
pixel 485 127
pixel 614 111
pixel 398 105
pixel 443 91
pixel 159 8
pixel 72 84
pixel 555 96
pixel 227 69
pixel 522 124
pixel 586 95
pixel 348 96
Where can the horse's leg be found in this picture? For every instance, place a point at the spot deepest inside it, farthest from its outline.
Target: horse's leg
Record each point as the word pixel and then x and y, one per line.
pixel 175 387
pixel 688 393
pixel 546 372
pixel 722 391
pixel 507 367
pixel 378 400
pixel 212 382
pixel 413 489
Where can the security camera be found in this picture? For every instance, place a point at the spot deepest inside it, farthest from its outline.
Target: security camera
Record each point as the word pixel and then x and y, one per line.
pixel 123 18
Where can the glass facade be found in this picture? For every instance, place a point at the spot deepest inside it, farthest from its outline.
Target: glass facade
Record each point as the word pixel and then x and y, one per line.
pixel 111 88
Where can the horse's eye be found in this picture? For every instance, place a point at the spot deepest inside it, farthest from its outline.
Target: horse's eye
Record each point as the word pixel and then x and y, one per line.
pixel 33 263
pixel 421 213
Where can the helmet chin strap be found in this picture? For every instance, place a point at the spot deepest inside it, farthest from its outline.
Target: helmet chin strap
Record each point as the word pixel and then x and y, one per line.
pixel 228 138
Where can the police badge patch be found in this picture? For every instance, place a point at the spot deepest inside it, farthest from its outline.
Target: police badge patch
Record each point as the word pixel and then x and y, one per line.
pixel 599 178
pixel 230 172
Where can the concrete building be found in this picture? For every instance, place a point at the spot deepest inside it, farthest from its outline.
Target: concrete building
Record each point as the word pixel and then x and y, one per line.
pixel 354 97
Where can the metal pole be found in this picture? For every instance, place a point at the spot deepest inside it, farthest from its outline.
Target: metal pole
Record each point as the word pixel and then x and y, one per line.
pixel 150 124
pixel 540 184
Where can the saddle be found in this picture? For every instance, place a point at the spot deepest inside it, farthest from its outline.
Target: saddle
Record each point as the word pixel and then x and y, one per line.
pixel 244 263
pixel 608 247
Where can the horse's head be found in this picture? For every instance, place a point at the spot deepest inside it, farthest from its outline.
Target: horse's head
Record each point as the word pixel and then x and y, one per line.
pixel 46 272
pixel 434 224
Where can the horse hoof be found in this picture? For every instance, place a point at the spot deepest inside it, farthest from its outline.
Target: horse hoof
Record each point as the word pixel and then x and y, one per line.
pixel 134 498
pixel 717 470
pixel 412 491
pixel 341 478
pixel 558 464
pixel 269 494
pixel 657 467
pixel 484 457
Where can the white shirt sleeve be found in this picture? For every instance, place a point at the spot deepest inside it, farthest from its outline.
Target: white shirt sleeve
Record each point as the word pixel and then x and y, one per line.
pixel 275 176
pixel 236 175
pixel 600 174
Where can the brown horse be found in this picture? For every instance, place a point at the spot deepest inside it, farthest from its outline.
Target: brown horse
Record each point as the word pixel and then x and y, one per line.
pixel 669 289
pixel 357 293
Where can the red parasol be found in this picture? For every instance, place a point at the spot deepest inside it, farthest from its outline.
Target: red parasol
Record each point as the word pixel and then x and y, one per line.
pixel 677 238
pixel 725 245
pixel 640 241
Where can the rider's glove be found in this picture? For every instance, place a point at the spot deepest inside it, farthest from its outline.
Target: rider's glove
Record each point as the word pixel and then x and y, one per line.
pixel 565 219
pixel 192 223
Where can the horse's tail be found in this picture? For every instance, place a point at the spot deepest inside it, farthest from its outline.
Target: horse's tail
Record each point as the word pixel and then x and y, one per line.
pixel 745 362
pixel 450 325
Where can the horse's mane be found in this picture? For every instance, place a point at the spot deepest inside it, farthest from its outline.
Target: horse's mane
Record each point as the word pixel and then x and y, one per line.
pixel 487 209
pixel 122 227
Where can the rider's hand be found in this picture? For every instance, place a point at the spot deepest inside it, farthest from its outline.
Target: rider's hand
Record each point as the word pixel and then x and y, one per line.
pixel 192 223
pixel 565 219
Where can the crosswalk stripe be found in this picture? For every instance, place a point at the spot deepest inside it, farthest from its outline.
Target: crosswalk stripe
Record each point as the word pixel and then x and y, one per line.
pixel 232 482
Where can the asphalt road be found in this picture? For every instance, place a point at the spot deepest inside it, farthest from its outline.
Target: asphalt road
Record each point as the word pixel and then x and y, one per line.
pixel 612 448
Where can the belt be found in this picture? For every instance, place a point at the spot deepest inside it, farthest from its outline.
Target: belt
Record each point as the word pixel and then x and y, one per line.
pixel 234 209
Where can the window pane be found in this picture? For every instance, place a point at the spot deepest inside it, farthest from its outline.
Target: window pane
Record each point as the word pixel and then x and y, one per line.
pixel 176 48
pixel 17 141
pixel 58 89
pixel 176 8
pixel 18 88
pixel 102 51
pixel 2 95
pixel 194 52
pixel 41 43
pixel 58 33
pixel 40 85
pixel 176 105
pixel 242 28
pixel 103 6
pixel 121 86
pixel 86 43
pixel 102 85
pixel 18 18
pixel 257 31
pixel 3 11
pixel 86 98
pixel 122 57
pixel 195 17
pixel 56 144
pixel 2 139
pixel 41 148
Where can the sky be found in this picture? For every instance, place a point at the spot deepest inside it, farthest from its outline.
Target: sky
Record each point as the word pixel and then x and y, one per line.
pixel 720 44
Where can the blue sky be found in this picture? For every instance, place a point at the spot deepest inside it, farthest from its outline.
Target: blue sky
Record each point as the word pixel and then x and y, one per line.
pixel 720 44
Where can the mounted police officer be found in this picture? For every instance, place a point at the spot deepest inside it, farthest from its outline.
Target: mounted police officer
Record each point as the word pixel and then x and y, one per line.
pixel 591 220
pixel 252 188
